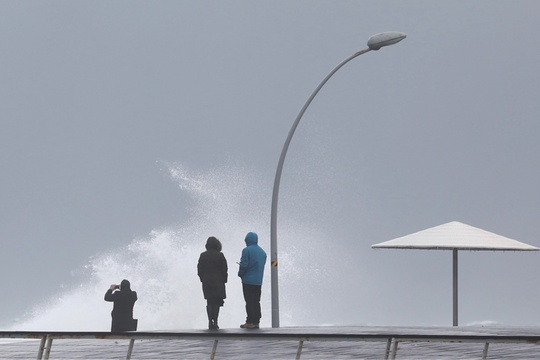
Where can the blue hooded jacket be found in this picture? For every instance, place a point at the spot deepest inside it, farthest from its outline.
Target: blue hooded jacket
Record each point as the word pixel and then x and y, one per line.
pixel 252 261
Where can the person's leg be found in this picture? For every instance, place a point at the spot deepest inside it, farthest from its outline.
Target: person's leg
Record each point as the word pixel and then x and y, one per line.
pixel 209 313
pixel 212 308
pixel 257 304
pixel 248 297
pixel 245 291
pixel 252 296
pixel 215 316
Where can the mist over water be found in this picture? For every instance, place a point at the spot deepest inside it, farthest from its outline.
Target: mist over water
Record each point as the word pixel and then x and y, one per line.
pixel 226 202
pixel 328 275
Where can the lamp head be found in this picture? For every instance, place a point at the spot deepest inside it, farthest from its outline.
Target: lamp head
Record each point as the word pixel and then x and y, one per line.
pixel 379 40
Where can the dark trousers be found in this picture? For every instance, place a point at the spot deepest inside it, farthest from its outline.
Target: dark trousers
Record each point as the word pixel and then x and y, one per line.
pixel 252 296
pixel 123 323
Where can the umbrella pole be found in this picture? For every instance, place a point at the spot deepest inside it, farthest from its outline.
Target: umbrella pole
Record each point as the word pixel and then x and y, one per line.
pixel 455 284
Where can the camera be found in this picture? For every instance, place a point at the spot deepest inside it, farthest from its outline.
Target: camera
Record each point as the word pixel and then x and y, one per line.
pixel 116 287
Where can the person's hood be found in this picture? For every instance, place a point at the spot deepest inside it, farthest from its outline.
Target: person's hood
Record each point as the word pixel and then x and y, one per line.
pixel 125 285
pixel 251 238
pixel 213 243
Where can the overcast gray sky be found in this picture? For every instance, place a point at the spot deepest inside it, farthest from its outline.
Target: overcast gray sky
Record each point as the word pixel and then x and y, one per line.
pixel 98 98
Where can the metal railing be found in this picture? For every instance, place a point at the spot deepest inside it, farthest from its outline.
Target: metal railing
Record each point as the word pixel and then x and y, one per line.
pixel 391 340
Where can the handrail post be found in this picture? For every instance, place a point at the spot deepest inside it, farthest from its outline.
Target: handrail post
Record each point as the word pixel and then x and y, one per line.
pixel 41 347
pixel 48 347
pixel 485 352
pixel 387 351
pixel 130 349
pixel 395 349
pixel 214 349
pixel 299 349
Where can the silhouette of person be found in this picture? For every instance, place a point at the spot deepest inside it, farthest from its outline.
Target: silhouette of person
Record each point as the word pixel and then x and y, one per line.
pixel 212 271
pixel 251 272
pixel 122 313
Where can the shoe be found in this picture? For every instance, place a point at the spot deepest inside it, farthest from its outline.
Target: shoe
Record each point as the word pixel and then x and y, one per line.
pixel 249 326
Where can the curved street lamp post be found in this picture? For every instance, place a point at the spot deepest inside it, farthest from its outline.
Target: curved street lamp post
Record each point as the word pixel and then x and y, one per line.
pixel 375 42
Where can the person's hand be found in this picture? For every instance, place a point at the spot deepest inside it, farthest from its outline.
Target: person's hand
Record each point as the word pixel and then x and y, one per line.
pixel 113 287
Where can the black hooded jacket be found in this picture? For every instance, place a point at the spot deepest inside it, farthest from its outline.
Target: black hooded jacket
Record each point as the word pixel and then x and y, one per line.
pixel 212 270
pixel 124 301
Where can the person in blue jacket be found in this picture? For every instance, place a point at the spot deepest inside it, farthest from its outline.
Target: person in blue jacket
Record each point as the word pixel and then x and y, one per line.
pixel 251 272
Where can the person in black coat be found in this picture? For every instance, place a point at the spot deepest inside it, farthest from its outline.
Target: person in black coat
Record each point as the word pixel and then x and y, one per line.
pixel 124 300
pixel 212 271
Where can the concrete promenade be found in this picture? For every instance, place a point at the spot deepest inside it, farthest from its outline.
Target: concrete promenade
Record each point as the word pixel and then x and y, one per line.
pixel 359 342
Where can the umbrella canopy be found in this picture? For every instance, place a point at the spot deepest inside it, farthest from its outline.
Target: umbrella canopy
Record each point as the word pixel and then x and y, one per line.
pixel 455 236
